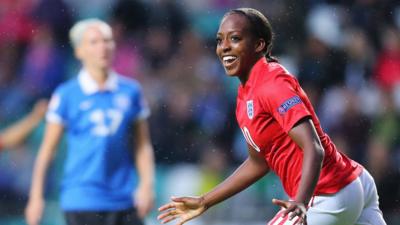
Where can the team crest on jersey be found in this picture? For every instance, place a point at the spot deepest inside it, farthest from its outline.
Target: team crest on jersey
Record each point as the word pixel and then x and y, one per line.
pixel 250 109
pixel 85 105
pixel 289 104
pixel 122 102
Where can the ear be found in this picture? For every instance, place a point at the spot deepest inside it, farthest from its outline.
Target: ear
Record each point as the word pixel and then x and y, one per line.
pixel 260 45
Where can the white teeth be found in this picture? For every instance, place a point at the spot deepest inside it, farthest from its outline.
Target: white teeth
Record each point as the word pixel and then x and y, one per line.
pixel 229 58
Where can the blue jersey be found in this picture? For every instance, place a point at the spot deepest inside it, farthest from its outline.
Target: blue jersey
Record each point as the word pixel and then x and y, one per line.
pixel 99 171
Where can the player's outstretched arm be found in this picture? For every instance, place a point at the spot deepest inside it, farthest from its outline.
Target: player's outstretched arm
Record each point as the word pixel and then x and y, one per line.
pixel 187 208
pixel 35 206
pixel 16 133
pixel 183 209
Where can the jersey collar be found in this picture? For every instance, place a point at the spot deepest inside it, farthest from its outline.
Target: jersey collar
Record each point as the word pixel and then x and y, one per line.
pixel 89 85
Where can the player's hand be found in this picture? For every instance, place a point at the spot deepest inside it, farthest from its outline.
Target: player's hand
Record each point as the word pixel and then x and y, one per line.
pixel 183 209
pixel 144 200
pixel 34 211
pixel 293 209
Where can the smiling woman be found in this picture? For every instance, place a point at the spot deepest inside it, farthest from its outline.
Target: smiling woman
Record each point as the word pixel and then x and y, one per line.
pixel 283 135
pixel 233 48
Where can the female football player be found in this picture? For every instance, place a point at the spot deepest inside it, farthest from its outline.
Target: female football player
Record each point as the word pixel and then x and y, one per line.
pixel 284 135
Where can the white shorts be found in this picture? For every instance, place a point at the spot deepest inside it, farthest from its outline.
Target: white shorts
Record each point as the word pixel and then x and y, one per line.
pixel 355 204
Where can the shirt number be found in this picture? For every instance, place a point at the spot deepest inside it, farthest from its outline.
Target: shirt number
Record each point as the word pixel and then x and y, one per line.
pixel 247 136
pixel 106 122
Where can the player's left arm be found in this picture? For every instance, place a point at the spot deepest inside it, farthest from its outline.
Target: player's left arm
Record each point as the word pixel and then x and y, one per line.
pixel 144 195
pixel 306 137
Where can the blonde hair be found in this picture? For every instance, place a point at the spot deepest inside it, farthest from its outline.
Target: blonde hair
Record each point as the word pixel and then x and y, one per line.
pixel 79 28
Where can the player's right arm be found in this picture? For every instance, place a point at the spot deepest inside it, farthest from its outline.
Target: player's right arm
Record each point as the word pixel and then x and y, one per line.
pixel 15 134
pixel 187 208
pixel 35 206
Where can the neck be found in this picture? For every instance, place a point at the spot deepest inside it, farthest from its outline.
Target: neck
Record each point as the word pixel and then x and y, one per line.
pixel 99 75
pixel 245 76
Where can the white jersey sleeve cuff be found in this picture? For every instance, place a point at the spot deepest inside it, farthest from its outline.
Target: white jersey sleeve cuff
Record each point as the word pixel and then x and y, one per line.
pixel 144 114
pixel 54 118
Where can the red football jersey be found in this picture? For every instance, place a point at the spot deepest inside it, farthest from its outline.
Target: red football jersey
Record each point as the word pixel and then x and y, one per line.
pixel 268 106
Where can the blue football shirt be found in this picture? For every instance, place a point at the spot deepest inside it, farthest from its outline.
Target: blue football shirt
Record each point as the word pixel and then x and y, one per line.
pixel 99 171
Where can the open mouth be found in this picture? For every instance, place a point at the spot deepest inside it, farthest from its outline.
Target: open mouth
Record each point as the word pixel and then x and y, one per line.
pixel 229 60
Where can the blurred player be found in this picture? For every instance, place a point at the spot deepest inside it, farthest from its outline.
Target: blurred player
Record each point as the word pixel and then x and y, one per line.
pixel 15 134
pixel 283 135
pixel 107 181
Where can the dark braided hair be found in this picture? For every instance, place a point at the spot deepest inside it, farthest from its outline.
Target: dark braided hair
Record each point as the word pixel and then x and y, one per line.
pixel 259 26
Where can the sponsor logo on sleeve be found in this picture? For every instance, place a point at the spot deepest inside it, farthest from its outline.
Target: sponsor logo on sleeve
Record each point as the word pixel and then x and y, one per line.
pixel 288 104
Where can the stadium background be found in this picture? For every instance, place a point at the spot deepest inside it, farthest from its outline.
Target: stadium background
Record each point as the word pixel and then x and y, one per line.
pixel 345 53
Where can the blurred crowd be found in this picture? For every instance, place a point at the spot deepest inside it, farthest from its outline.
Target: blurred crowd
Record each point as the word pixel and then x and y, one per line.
pixel 346 55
